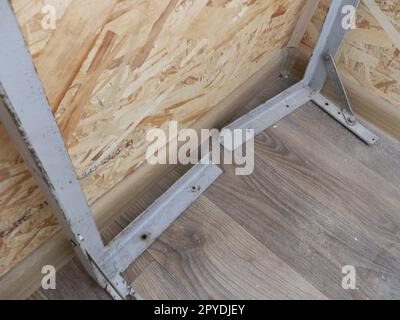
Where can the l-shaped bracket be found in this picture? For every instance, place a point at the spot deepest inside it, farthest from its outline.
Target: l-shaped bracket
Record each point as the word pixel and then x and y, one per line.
pixel 321 66
pixel 27 116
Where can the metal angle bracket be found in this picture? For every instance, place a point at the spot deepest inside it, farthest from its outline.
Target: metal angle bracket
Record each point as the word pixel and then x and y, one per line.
pixel 333 74
pixel 343 114
pixel 321 65
pixel 336 113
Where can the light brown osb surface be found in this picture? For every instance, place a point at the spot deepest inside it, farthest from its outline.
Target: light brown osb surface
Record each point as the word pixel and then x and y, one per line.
pixel 114 68
pixel 370 54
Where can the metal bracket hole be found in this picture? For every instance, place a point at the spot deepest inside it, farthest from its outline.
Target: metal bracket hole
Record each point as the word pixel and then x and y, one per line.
pixel 195 188
pixel 145 236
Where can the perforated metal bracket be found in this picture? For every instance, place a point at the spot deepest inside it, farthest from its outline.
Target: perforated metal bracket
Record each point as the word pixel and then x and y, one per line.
pixel 333 73
pixel 335 112
pixel 27 116
pixel 321 65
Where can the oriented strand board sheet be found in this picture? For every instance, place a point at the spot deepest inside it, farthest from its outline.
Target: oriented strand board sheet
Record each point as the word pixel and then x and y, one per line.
pixel 370 54
pixel 114 68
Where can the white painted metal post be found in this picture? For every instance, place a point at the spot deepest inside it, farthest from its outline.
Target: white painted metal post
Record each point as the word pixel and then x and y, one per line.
pixel 329 42
pixel 26 114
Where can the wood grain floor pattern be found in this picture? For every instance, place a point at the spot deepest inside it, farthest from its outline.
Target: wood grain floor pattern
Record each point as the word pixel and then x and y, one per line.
pixel 319 199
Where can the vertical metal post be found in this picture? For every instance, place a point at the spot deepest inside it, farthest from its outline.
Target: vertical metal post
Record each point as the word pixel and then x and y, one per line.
pixel 27 116
pixel 308 89
pixel 328 43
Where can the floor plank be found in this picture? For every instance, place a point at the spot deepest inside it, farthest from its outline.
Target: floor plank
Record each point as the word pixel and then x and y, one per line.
pixel 216 258
pixel 318 209
pixel 319 199
pixel 73 283
pixel 157 283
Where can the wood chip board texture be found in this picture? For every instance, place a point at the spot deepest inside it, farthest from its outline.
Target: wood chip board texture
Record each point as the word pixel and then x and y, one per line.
pixel 113 69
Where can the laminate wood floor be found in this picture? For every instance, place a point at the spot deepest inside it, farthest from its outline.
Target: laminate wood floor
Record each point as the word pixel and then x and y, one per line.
pixel 319 199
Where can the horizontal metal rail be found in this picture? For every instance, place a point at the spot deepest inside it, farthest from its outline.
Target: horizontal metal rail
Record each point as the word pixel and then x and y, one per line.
pixel 270 112
pixel 141 233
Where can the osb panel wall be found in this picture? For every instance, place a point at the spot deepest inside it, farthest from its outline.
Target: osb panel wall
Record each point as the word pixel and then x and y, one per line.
pixel 114 68
pixel 370 54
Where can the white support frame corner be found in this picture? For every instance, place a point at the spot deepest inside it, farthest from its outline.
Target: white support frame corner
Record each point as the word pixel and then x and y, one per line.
pixel 309 88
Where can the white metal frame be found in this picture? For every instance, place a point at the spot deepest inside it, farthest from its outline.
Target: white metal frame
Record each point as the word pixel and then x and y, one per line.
pixel 26 114
pixel 309 88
